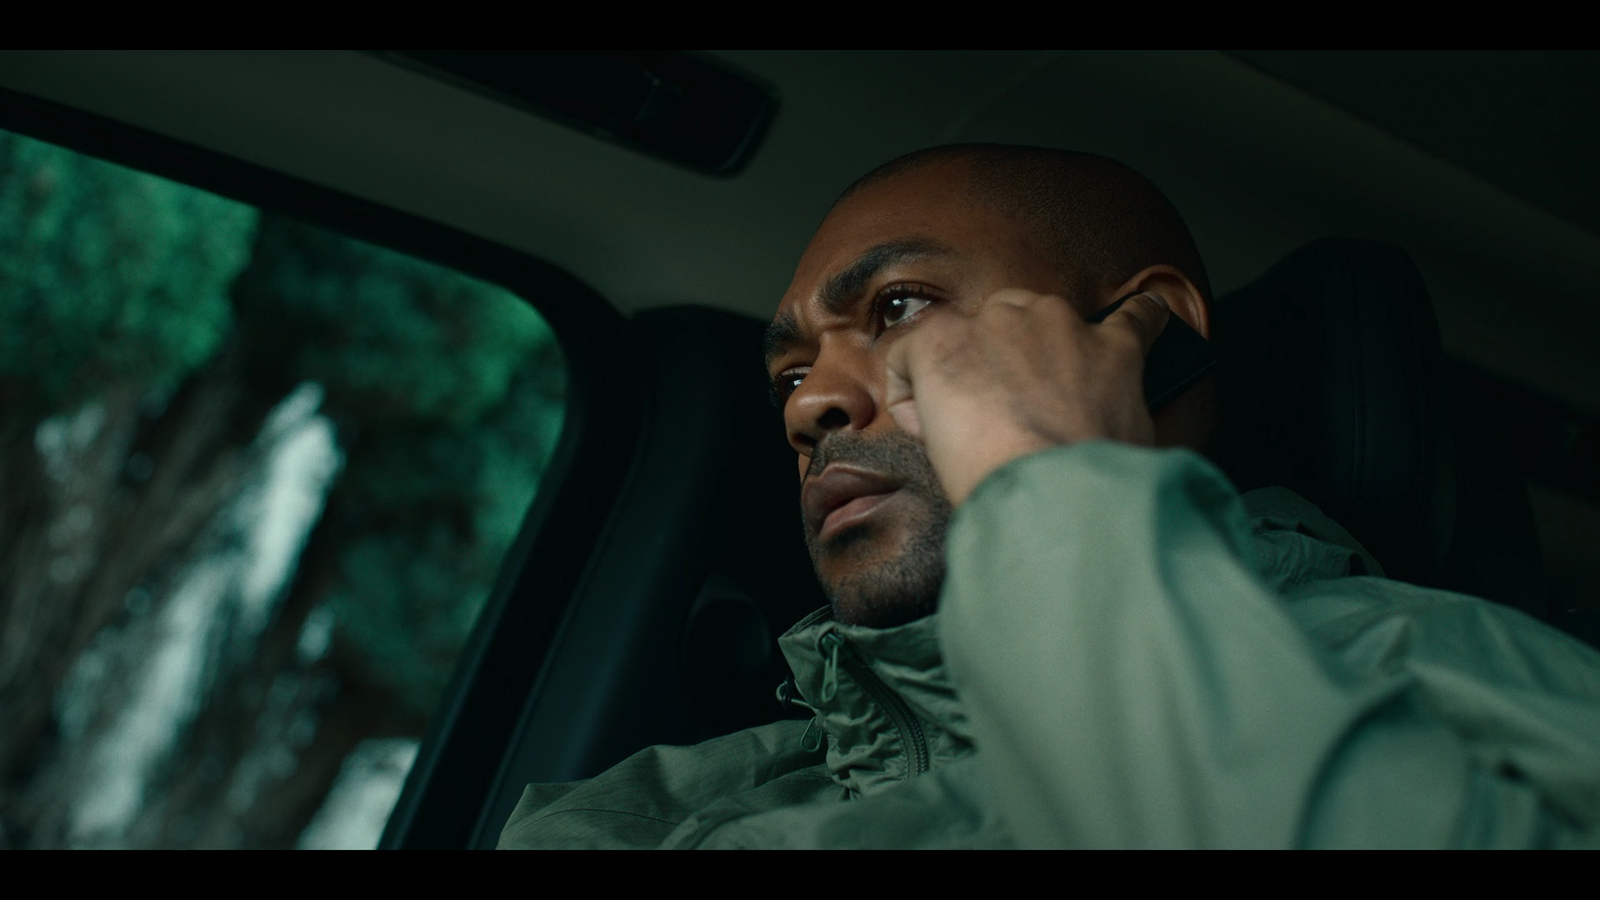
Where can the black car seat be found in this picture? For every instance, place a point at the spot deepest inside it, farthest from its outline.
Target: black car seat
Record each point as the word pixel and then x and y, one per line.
pixel 1335 386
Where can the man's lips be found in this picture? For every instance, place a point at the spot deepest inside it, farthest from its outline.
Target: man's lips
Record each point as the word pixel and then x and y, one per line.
pixel 840 496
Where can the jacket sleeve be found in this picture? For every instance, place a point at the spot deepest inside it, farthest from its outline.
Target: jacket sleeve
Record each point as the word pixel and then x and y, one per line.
pixel 1133 681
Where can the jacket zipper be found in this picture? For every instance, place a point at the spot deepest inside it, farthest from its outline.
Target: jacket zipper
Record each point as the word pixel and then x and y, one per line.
pixel 841 654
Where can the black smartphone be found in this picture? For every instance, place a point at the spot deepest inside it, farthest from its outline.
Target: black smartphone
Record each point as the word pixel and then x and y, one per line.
pixel 1179 358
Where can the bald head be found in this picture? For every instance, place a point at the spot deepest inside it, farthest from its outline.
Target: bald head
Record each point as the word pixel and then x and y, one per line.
pixel 1097 220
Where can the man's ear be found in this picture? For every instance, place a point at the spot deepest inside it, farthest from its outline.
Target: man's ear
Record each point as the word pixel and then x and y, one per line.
pixel 1183 298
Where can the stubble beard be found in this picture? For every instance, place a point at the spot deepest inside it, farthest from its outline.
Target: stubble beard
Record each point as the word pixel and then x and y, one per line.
pixel 885 586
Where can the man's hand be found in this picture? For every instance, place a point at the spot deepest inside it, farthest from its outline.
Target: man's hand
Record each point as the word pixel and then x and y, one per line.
pixel 1024 374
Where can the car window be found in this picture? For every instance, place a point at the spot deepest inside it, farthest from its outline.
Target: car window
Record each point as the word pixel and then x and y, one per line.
pixel 256 480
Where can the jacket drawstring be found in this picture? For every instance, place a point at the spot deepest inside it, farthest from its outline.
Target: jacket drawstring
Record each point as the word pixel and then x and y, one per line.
pixel 830 643
pixel 811 741
pixel 789 697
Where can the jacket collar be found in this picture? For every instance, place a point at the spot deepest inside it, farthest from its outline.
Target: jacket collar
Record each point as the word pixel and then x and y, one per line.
pixel 891 713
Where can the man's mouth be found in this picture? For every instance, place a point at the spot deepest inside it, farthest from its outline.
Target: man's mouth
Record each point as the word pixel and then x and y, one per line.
pixel 843 497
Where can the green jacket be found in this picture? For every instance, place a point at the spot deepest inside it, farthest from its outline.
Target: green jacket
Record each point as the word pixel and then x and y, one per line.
pixel 1129 654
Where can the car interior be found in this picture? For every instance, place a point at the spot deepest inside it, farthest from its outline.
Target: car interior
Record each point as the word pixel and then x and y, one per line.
pixel 1401 244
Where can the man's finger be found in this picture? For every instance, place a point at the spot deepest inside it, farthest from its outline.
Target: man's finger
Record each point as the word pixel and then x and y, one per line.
pixel 898 365
pixel 1145 315
pixel 899 394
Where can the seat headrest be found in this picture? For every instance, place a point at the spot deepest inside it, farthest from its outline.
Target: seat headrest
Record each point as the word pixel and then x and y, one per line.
pixel 1332 379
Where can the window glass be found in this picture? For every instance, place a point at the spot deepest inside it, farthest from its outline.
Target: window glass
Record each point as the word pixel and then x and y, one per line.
pixel 256 479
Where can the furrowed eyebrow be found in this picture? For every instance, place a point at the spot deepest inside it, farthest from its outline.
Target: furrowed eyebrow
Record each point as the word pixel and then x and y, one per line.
pixel 783 333
pixel 844 290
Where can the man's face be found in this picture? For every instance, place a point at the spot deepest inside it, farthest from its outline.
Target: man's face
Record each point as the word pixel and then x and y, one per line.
pixel 874 513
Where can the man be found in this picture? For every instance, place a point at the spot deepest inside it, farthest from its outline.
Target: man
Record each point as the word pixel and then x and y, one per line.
pixel 1053 622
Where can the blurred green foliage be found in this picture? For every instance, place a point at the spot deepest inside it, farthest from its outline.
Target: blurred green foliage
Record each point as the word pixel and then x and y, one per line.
pixel 107 276
pixel 391 338
pixel 449 393
pixel 427 515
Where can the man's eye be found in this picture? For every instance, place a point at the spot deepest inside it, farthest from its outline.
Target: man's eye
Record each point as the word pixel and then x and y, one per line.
pixel 784 385
pixel 898 308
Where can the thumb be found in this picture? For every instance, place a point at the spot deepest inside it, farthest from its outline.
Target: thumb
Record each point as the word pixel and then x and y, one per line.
pixel 899 396
pixel 1144 315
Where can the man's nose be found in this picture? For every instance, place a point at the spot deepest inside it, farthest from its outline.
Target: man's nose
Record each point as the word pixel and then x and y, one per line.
pixel 836 395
